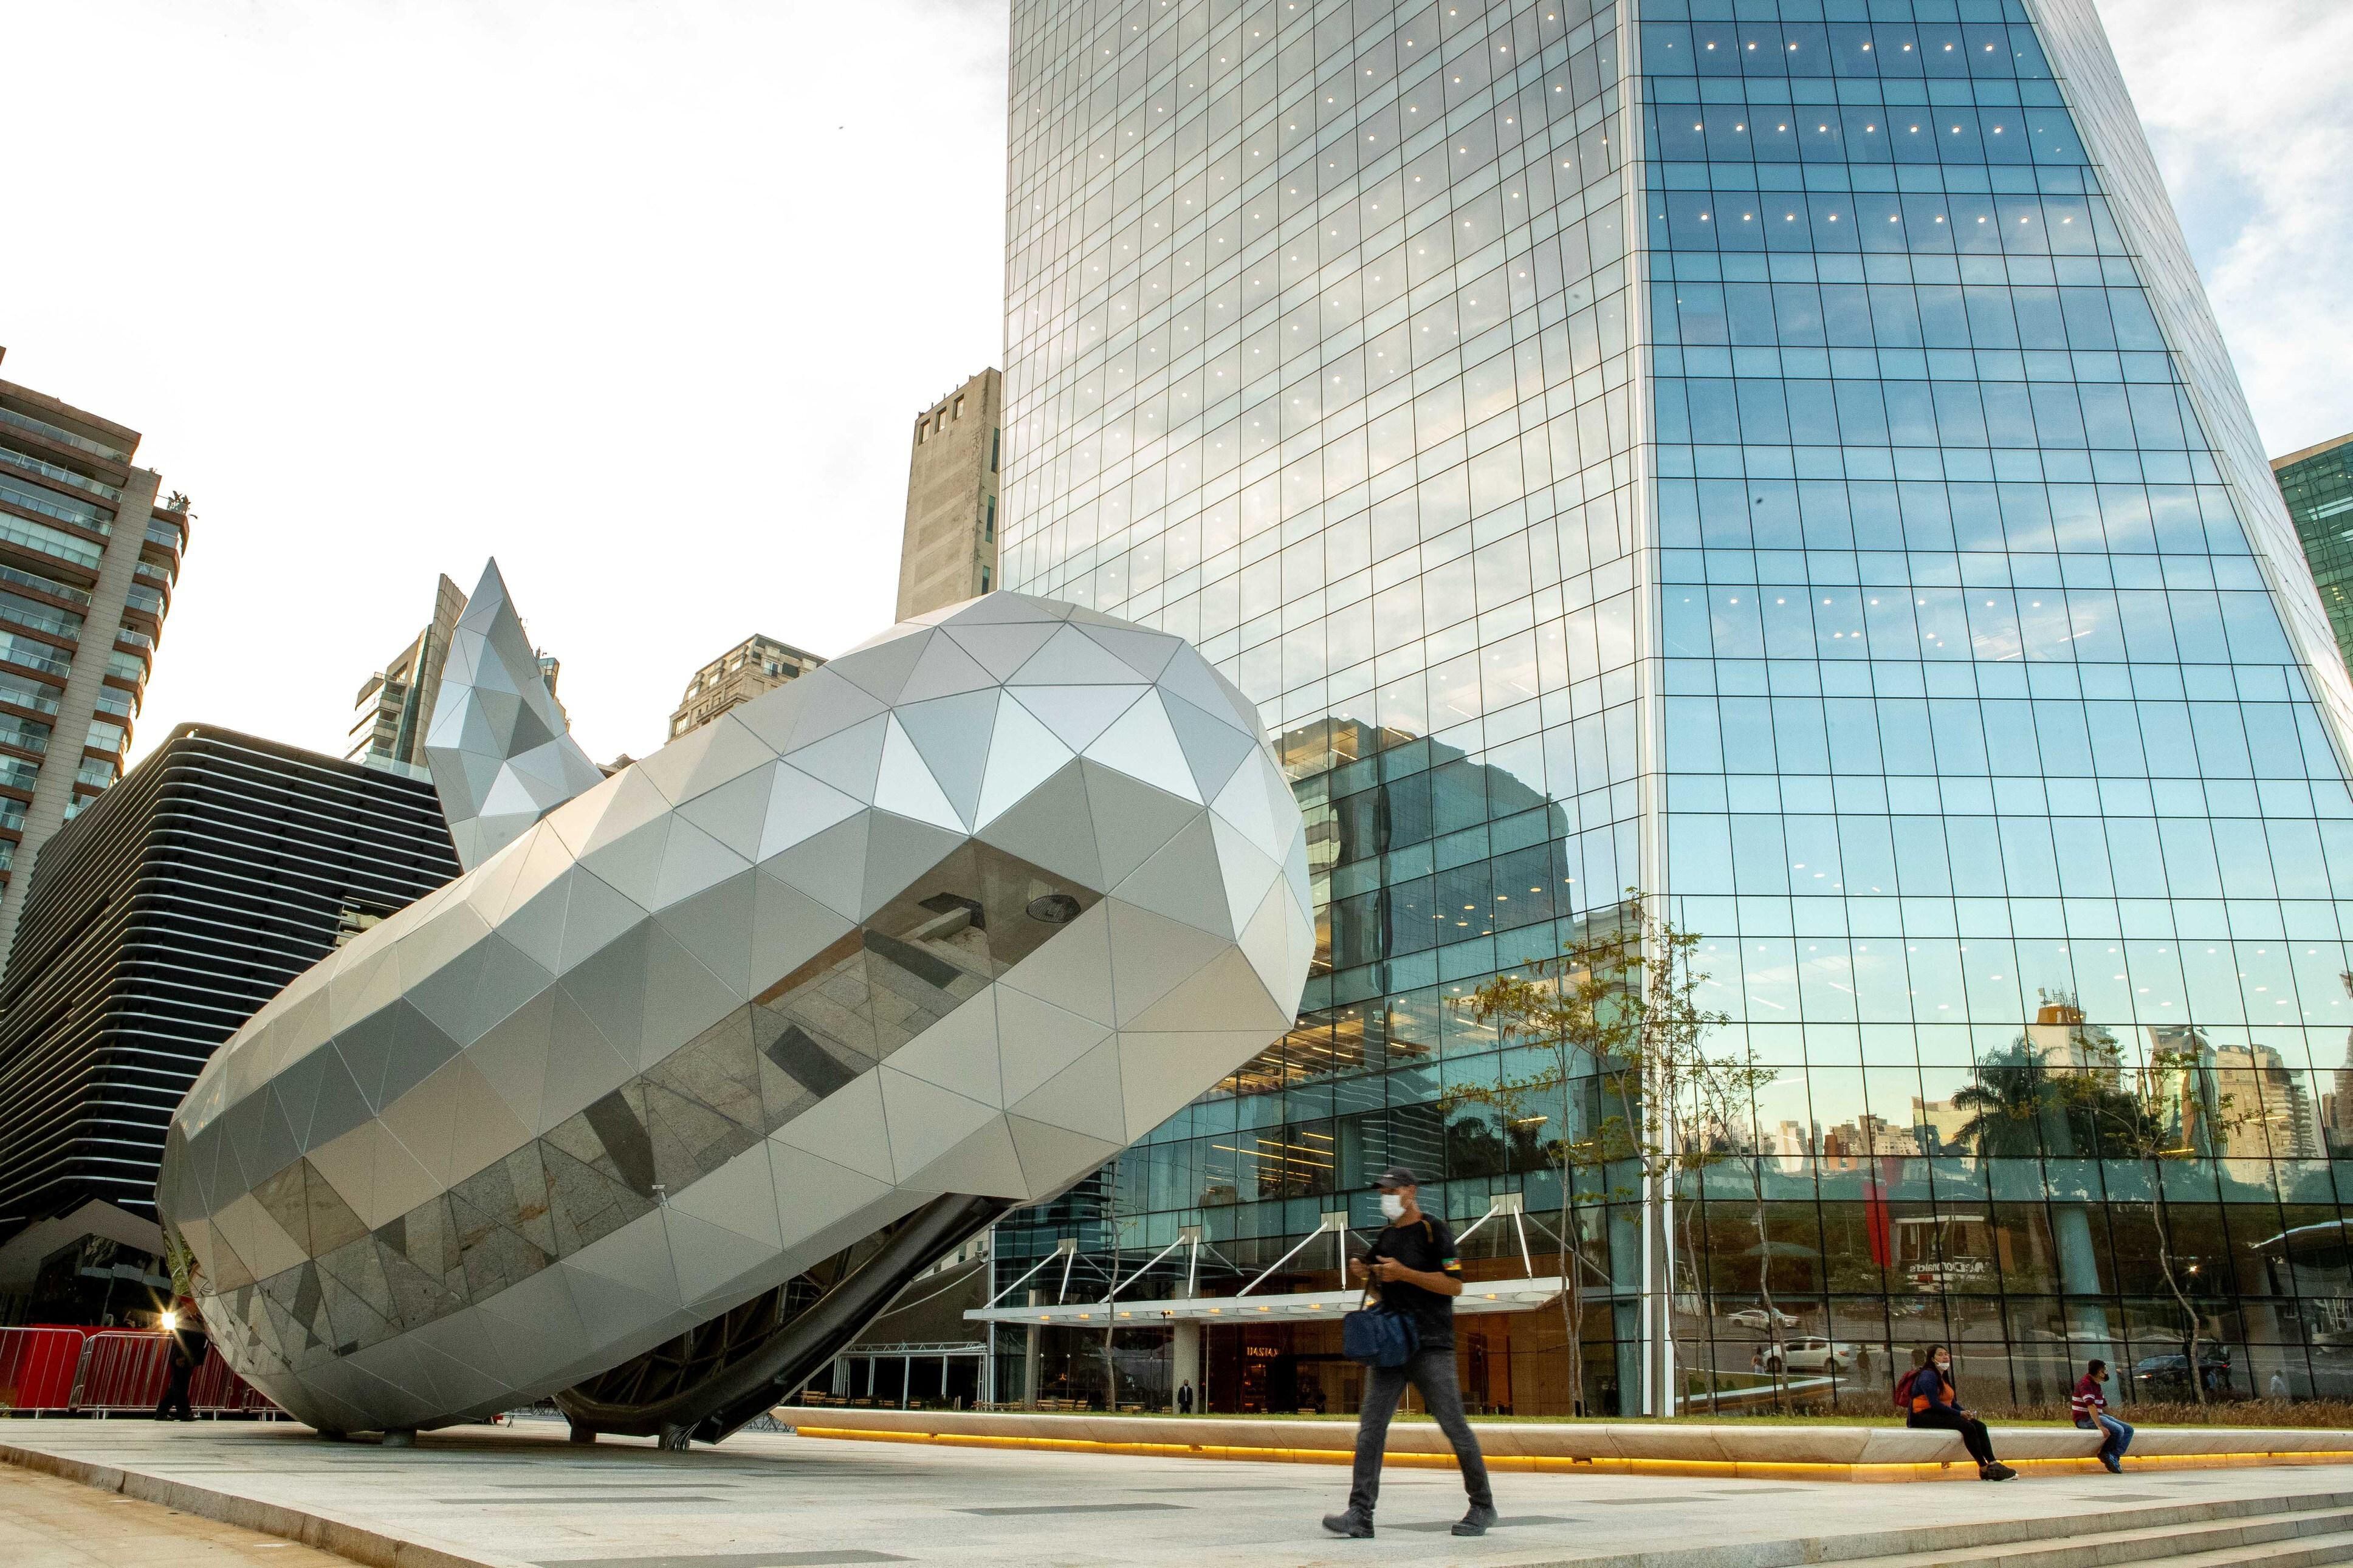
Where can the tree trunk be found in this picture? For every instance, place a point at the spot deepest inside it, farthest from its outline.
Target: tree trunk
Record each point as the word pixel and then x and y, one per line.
pixel 1111 1364
pixel 1572 1296
pixel 1572 1251
pixel 2191 1338
pixel 1777 1366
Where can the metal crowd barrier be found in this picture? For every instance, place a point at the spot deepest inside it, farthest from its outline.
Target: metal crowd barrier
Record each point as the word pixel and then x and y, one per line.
pixel 106 1371
pixel 37 1368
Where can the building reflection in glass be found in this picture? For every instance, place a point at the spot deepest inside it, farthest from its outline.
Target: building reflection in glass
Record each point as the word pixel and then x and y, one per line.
pixel 1842 525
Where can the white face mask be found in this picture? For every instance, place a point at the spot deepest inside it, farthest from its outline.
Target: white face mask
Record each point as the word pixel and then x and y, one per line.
pixel 1393 1206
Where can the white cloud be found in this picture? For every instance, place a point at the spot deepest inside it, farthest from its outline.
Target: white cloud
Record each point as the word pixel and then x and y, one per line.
pixel 2246 105
pixel 644 300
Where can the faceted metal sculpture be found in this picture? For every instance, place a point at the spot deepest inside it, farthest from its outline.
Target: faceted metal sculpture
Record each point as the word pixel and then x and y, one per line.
pixel 938 928
pixel 501 749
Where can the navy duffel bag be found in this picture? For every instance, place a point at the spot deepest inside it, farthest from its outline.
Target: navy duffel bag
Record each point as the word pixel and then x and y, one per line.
pixel 1379 1337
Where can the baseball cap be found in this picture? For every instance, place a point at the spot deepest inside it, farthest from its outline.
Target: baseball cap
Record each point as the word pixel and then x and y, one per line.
pixel 1397 1176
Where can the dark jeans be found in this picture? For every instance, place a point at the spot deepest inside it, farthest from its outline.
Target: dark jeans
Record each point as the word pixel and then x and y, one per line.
pixel 2116 1436
pixel 1433 1372
pixel 175 1399
pixel 1972 1430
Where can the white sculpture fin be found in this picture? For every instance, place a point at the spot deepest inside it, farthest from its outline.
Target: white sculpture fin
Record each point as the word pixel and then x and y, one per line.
pixel 498 746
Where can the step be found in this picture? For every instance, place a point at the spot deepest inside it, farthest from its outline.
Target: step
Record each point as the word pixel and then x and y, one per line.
pixel 2113 1540
pixel 2307 1552
pixel 1916 1546
pixel 2147 1531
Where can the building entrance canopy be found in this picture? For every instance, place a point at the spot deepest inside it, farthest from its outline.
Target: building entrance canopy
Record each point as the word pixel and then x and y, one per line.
pixel 1478 1296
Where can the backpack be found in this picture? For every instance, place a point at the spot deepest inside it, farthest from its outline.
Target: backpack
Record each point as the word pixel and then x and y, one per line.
pixel 1904 1389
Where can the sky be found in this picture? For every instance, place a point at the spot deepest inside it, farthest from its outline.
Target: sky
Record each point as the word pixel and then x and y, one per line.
pixel 643 298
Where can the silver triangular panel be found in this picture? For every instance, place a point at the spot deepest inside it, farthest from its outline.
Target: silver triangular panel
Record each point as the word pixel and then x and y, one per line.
pixel 493 713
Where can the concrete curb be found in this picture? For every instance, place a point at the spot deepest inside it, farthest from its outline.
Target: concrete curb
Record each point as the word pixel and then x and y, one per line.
pixel 359 1542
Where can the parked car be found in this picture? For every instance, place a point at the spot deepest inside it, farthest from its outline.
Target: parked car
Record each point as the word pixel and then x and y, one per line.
pixel 1755 1318
pixel 1816 1355
pixel 2168 1375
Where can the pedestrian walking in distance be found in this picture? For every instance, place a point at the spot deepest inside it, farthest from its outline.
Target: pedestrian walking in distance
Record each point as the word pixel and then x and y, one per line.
pixel 187 1354
pixel 2089 1406
pixel 1185 1398
pixel 1413 1266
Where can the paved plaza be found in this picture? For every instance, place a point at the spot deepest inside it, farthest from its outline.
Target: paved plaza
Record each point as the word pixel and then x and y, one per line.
pixel 506 1498
pixel 49 1523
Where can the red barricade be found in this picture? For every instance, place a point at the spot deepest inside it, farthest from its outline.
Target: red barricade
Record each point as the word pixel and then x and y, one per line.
pixel 36 1368
pixel 100 1371
pixel 123 1369
pixel 216 1388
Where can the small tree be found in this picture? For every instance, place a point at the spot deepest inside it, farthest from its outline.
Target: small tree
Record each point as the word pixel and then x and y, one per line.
pixel 1618 1007
pixel 1725 1091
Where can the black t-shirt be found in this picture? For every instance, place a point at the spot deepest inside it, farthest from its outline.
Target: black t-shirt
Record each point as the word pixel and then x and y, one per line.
pixel 1426 1246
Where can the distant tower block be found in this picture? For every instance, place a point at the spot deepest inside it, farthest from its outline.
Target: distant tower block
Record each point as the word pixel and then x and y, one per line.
pixel 948 553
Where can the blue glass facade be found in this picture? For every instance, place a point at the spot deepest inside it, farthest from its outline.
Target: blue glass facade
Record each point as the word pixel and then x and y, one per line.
pixel 1779 460
pixel 2317 486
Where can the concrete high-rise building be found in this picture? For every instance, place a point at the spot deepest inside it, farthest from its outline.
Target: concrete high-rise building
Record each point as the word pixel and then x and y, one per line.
pixel 162 918
pixel 1794 447
pixel 948 553
pixel 2317 485
pixel 397 702
pixel 86 540
pixel 757 664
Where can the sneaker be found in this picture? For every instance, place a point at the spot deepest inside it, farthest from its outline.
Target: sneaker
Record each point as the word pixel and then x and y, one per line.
pixel 1476 1521
pixel 2115 1466
pixel 1352 1524
pixel 1995 1472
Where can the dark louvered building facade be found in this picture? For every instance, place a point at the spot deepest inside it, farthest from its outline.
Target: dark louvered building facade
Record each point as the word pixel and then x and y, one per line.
pixel 161 919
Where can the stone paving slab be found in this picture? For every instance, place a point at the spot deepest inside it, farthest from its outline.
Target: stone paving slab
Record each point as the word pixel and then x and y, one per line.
pixel 47 1521
pixel 521 1498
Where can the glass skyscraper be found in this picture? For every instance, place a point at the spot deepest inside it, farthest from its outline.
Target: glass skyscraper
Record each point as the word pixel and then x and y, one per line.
pixel 1776 456
pixel 2317 485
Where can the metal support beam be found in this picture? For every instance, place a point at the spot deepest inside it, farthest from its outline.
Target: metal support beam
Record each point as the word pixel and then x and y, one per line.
pixel 1337 1220
pixel 1066 1247
pixel 1140 1273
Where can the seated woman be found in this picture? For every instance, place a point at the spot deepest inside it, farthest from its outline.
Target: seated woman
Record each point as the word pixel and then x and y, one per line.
pixel 1934 1403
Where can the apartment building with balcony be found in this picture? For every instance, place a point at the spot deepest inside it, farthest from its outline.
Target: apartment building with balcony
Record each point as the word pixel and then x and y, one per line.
pixel 88 539
pixel 757 664
pixel 395 703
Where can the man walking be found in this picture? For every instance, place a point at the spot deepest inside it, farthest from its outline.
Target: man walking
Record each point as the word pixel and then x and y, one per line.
pixel 187 1354
pixel 1185 1397
pixel 2089 1406
pixel 1413 1266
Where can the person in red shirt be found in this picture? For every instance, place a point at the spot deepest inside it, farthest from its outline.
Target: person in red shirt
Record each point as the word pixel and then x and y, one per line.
pixel 2089 1406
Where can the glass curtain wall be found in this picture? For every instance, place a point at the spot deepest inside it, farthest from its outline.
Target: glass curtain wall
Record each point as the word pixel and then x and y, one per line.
pixel 1803 520
pixel 1319 354
pixel 1991 775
